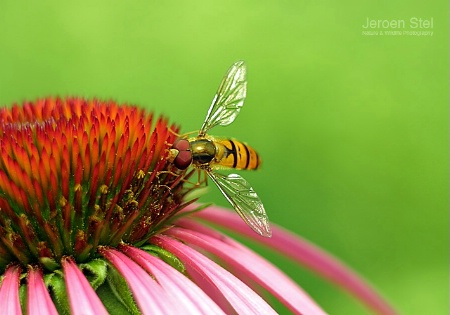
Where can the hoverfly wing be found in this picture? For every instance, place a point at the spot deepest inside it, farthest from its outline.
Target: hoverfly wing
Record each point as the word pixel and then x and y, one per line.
pixel 229 98
pixel 244 200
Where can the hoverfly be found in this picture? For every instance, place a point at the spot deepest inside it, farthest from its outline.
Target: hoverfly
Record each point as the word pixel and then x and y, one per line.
pixel 209 153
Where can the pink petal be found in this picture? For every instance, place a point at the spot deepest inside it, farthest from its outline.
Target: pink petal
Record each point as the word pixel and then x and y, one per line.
pixel 305 253
pixel 39 300
pixel 210 289
pixel 9 292
pixel 82 297
pixel 192 299
pixel 249 264
pixel 149 295
pixel 241 297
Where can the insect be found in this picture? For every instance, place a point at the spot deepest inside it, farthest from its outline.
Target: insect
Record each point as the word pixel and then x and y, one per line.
pixel 209 153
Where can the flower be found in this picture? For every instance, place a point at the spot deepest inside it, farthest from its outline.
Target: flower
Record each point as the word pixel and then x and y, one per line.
pixel 94 219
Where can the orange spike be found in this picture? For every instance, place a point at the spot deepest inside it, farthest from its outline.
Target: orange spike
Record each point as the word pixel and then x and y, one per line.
pixel 95 151
pixel 111 158
pixel 94 186
pixel 38 193
pixel 75 154
pixel 65 172
pixel 44 168
pixel 78 170
pixel 121 146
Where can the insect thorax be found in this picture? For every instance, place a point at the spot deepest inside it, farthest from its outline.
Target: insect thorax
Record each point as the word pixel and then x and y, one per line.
pixel 203 151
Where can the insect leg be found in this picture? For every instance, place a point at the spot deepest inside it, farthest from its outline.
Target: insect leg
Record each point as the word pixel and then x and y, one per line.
pixel 183 135
pixel 181 177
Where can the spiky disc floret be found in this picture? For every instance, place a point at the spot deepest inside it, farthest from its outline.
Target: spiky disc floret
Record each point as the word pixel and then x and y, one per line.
pixel 76 174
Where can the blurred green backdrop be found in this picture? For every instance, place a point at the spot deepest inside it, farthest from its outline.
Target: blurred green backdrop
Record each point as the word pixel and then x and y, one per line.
pixel 352 128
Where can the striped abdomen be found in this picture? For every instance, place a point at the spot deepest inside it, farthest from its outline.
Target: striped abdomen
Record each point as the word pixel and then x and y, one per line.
pixel 237 155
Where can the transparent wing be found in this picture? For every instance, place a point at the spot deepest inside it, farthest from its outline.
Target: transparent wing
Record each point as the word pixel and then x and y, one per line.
pixel 229 98
pixel 244 200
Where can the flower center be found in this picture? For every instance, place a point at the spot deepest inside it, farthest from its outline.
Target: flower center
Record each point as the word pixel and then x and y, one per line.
pixel 76 174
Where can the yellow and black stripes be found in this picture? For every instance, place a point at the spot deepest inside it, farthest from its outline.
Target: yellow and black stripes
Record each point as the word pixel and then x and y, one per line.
pixel 239 155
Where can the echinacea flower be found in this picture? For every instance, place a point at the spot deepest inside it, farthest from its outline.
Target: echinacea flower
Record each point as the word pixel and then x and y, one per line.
pixel 94 220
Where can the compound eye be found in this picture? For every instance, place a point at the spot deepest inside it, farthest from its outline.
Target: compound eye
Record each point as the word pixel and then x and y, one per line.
pixel 184 155
pixel 181 145
pixel 183 160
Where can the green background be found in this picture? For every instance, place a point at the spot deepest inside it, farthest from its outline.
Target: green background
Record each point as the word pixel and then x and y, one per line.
pixel 352 128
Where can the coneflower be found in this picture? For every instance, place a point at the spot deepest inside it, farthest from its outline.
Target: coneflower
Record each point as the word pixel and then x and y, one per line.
pixel 92 222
